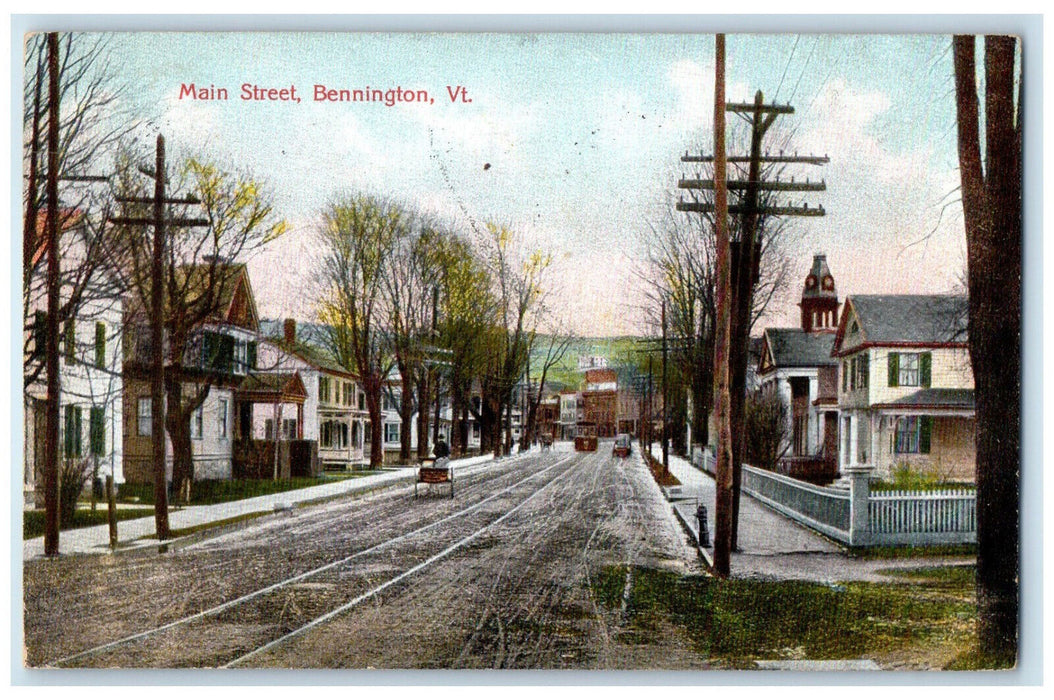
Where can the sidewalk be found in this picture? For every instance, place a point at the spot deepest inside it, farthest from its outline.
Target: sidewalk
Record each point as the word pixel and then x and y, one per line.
pixel 773 546
pixel 139 532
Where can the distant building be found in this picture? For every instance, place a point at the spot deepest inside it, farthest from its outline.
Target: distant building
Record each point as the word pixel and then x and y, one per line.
pixel 600 400
pixel 587 362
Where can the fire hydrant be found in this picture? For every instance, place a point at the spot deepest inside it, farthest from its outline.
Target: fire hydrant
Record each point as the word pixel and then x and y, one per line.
pixel 704 532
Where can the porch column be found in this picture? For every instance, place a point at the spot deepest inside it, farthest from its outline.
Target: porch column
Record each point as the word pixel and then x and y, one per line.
pixel 812 433
pixel 854 439
pixel 300 421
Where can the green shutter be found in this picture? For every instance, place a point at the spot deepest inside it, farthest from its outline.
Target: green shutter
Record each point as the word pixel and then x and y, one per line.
pixel 100 345
pixel 894 369
pixel 97 430
pixel 925 363
pixel 250 355
pixel 845 376
pixel 73 432
pixel 68 433
pixel 925 432
pixel 70 338
pixel 40 324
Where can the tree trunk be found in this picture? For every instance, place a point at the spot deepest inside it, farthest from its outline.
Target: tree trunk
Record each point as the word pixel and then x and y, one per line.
pixel 372 389
pixel 406 412
pixel 177 424
pixel 992 215
pixel 423 415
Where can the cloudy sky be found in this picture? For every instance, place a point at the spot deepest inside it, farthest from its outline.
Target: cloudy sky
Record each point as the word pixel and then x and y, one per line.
pixel 583 134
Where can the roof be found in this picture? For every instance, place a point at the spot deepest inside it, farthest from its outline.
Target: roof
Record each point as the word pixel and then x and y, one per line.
pixel 286 384
pixel 306 347
pixel 819 271
pixel 924 319
pixel 793 347
pixel 934 398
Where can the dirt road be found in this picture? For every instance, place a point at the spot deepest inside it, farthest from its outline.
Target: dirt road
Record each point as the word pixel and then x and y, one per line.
pixel 501 576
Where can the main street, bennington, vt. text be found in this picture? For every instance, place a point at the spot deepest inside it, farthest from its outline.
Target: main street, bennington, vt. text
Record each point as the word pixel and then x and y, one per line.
pixel 251 92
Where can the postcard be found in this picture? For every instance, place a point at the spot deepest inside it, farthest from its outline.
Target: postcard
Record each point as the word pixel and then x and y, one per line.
pixel 536 351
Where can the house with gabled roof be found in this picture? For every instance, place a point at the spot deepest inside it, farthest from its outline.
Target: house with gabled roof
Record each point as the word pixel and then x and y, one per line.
pixel 222 350
pixel 795 364
pixel 906 388
pixel 90 366
pixel 333 412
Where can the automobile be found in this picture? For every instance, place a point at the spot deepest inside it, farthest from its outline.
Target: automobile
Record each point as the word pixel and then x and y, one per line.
pixel 622 445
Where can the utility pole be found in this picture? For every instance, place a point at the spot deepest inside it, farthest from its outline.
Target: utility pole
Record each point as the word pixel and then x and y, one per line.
pixel 157 321
pixel 723 504
pixel 665 403
pixel 51 339
pixel 746 252
pixel 651 401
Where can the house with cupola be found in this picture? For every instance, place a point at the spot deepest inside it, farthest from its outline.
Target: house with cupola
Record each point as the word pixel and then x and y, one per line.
pixel 795 364
pixel 905 386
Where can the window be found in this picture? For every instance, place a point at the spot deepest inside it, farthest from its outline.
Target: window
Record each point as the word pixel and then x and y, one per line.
pixel 97 430
pixel 144 417
pixel 197 424
pixel 73 432
pixel 241 356
pixel 910 369
pixel 222 412
pixel 845 375
pixel 362 401
pixel 391 432
pixel 268 429
pixel 334 435
pixel 70 341
pixel 913 435
pixel 858 372
pixel 863 371
pixel 100 345
pixel 289 429
pixel 347 393
pixel 323 389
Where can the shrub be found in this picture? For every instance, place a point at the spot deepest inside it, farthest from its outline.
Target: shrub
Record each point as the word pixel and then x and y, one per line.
pixel 74 475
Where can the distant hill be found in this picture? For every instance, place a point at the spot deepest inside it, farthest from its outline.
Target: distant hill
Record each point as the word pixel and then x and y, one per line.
pixel 565 375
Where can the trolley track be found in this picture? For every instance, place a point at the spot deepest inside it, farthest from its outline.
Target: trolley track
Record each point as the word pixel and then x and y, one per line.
pixel 248 624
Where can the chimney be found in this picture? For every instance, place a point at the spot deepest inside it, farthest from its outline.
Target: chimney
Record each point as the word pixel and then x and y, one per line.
pixel 290 331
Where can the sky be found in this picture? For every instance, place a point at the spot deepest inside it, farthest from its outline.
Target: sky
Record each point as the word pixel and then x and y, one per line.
pixel 583 135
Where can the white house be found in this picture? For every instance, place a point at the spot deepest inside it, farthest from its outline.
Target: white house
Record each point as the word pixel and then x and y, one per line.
pixel 90 366
pixel 905 394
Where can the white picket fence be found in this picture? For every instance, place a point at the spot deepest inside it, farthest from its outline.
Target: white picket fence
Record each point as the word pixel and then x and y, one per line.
pixel 922 517
pixel 858 516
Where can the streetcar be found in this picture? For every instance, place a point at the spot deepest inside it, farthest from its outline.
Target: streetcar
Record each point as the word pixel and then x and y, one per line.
pixel 585 437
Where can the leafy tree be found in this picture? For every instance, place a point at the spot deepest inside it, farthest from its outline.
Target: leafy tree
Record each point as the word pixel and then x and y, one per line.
pixel 358 235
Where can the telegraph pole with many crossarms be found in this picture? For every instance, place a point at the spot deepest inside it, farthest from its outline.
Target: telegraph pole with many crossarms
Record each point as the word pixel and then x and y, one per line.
pixel 746 252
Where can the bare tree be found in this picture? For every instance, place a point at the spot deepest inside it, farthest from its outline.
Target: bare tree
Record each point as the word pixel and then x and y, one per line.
pixel 557 342
pixel 991 197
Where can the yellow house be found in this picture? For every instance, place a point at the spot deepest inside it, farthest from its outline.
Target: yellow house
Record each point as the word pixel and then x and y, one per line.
pixel 905 385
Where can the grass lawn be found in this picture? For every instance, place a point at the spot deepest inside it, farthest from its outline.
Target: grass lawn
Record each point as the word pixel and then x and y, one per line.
pixel 928 621
pixel 33 521
pixel 209 492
